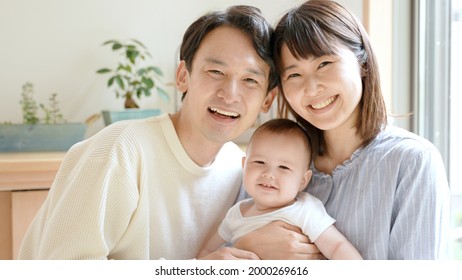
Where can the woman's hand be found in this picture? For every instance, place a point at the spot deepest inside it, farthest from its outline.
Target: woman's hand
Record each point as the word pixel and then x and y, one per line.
pixel 279 241
pixel 230 253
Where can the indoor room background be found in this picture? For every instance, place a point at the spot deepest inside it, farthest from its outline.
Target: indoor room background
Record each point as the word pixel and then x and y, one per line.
pixel 57 46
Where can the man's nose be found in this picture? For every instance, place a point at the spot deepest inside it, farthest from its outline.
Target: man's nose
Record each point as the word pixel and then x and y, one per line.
pixel 230 91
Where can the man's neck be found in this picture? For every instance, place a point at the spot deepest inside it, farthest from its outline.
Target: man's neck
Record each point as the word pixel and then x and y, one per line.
pixel 199 149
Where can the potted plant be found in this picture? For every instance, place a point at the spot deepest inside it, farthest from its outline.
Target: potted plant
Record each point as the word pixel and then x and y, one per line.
pixel 50 133
pixel 132 78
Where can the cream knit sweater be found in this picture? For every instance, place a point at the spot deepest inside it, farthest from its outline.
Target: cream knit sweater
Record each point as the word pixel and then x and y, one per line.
pixel 132 192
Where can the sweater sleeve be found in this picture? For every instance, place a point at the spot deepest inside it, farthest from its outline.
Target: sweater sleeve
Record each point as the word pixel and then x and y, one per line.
pixel 89 205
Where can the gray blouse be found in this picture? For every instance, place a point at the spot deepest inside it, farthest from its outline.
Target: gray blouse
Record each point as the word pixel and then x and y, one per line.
pixel 391 198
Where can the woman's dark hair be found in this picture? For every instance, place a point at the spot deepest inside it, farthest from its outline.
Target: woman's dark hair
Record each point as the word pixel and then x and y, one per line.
pixel 317 28
pixel 248 19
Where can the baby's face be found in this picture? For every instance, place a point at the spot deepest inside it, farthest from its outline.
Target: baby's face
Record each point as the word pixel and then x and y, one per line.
pixel 276 168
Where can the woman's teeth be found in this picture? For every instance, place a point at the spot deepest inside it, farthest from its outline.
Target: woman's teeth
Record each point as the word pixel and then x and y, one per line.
pixel 323 104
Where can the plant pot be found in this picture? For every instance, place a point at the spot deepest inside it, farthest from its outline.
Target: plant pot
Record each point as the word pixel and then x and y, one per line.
pixel 40 137
pixel 127 114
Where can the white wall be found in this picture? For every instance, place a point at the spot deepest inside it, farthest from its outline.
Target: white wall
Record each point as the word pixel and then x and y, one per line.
pixel 56 45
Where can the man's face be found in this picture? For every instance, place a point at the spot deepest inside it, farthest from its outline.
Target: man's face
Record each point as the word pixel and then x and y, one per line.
pixel 226 88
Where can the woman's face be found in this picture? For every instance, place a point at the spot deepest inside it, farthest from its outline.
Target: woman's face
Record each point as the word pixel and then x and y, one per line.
pixel 324 90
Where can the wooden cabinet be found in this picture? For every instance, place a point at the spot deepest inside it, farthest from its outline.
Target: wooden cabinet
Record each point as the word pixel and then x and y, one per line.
pixel 24 182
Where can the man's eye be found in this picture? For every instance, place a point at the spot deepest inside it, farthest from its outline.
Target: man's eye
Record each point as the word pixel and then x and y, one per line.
pixel 250 80
pixel 216 72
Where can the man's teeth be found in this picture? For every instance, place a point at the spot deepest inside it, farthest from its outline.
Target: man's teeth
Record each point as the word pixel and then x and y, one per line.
pixel 224 113
pixel 324 103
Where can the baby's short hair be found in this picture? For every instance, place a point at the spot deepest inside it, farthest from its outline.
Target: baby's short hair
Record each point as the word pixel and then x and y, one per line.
pixel 285 126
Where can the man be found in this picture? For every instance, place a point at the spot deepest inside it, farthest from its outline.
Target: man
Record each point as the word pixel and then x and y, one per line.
pixel 157 187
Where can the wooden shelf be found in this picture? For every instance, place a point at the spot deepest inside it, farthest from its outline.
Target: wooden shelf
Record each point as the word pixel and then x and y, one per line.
pixel 28 171
pixel 25 179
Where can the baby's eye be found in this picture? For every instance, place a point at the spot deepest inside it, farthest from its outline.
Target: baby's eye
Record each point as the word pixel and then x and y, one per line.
pixel 284 167
pixel 259 162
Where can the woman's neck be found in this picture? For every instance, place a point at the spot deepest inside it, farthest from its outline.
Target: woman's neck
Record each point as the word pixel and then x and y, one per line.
pixel 340 144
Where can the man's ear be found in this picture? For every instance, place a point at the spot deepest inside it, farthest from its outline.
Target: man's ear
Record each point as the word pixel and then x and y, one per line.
pixel 269 100
pixel 306 179
pixel 182 77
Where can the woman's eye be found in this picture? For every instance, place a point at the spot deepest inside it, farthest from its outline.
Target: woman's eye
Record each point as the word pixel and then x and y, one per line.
pixel 294 75
pixel 324 63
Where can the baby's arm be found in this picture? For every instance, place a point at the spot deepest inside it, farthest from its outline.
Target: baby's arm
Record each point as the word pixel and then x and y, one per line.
pixel 334 246
pixel 210 251
pixel 214 242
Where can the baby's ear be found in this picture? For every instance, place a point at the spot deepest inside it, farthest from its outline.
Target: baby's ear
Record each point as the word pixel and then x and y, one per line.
pixel 243 161
pixel 306 179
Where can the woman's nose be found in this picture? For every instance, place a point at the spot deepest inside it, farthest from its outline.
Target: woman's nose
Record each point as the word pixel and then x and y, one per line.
pixel 311 87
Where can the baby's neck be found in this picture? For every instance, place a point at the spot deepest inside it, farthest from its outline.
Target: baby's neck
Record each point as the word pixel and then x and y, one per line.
pixel 251 209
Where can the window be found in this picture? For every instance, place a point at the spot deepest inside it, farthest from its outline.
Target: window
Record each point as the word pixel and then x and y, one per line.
pixel 437 91
pixel 455 130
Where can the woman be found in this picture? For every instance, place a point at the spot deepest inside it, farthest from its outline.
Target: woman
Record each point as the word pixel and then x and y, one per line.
pixel 386 187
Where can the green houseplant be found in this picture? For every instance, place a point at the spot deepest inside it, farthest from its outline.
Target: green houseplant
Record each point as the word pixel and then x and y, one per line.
pixel 132 77
pixel 50 133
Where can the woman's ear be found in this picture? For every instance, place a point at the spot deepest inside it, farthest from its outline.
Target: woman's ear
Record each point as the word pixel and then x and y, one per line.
pixel 269 100
pixel 305 179
pixel 182 77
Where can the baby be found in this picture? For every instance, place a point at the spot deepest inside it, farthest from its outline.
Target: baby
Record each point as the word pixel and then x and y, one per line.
pixel 276 170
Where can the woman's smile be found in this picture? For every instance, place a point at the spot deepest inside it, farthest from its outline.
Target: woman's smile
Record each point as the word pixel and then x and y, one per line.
pixel 324 104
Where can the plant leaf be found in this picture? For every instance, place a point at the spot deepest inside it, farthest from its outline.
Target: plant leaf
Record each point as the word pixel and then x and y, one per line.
pixel 138 92
pixel 120 82
pixel 139 43
pixel 103 70
pixel 110 42
pixel 116 46
pixel 132 55
pixel 147 91
pixel 163 94
pixel 148 82
pixel 110 81
pixel 142 71
pixel 126 68
pixel 158 71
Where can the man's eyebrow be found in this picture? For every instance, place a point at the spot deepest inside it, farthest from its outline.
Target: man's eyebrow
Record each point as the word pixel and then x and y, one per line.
pixel 215 61
pixel 256 71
